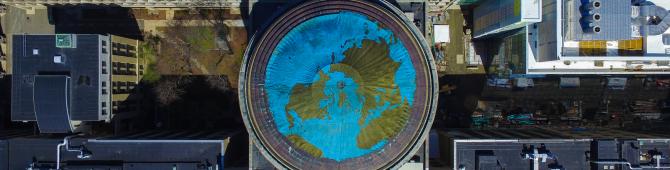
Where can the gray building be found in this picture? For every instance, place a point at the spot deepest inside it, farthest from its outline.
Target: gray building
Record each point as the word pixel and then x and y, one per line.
pixel 140 151
pixel 61 80
pixel 596 149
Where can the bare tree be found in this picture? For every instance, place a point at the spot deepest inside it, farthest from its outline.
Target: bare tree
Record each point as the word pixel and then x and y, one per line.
pixel 219 82
pixel 170 89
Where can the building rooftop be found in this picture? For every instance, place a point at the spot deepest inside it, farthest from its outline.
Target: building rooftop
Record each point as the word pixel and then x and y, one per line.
pixel 146 150
pixel 606 18
pixel 547 149
pixel 51 97
pixel 68 65
pixel 627 41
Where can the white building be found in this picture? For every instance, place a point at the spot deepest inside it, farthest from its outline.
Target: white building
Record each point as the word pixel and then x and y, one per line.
pixel 626 38
pixel 598 37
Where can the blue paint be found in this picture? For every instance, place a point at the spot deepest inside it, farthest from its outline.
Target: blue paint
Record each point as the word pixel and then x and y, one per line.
pixel 311 47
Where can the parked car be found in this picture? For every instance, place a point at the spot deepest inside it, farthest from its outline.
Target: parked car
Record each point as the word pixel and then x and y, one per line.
pixel 663 83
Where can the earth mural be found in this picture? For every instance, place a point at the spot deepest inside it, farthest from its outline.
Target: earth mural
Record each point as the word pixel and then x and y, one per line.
pixel 338 90
pixel 337 84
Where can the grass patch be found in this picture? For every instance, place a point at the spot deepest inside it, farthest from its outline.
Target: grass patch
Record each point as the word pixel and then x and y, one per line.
pixel 148 53
pixel 202 39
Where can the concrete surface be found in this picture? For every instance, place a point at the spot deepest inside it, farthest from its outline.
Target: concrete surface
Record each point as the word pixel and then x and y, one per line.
pixel 19 21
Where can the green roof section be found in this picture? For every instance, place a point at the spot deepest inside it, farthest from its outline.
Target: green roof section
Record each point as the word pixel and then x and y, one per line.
pixel 66 41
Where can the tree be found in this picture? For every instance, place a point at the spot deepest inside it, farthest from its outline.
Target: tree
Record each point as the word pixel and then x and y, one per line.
pixel 170 89
pixel 219 82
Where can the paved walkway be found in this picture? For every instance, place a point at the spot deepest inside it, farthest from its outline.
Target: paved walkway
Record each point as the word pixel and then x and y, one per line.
pixel 200 66
pixel 152 25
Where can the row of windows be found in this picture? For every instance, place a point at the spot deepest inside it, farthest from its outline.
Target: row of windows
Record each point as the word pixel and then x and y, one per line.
pixel 123 46
pixel 104 46
pixel 123 87
pixel 123 50
pixel 104 108
pixel 124 53
pixel 104 67
pixel 124 106
pixel 118 106
pixel 123 68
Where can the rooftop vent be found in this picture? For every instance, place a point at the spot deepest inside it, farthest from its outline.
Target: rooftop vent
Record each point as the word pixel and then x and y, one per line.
pixel 595 4
pixel 58 59
pixel 594 17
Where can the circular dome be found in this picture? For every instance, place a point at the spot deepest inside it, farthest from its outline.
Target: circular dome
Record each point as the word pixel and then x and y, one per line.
pixel 338 84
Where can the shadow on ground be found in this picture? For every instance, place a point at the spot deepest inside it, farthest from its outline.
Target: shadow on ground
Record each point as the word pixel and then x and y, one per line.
pixel 455 109
pixel 194 103
pixel 94 19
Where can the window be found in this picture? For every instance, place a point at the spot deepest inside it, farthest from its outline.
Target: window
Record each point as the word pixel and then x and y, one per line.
pixel 104 84
pixel 104 43
pixel 104 104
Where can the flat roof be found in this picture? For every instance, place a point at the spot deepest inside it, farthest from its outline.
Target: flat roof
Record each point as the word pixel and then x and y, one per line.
pixel 559 52
pixel 508 155
pixel 564 148
pixel 115 152
pixel 35 55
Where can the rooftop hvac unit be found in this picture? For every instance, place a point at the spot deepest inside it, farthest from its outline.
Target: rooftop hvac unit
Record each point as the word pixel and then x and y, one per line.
pixel 594 4
pixel 591 16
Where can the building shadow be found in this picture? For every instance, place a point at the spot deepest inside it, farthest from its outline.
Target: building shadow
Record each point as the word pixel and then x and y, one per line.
pixel 5 101
pixel 260 14
pixel 193 105
pixel 6 122
pixel 455 109
pixel 200 105
pixel 239 145
pixel 94 19
pixel 484 49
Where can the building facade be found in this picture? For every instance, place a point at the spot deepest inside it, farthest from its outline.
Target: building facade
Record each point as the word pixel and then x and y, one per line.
pixel 496 16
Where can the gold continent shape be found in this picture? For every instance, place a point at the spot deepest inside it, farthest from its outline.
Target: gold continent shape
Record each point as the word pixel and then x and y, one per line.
pixel 373 70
